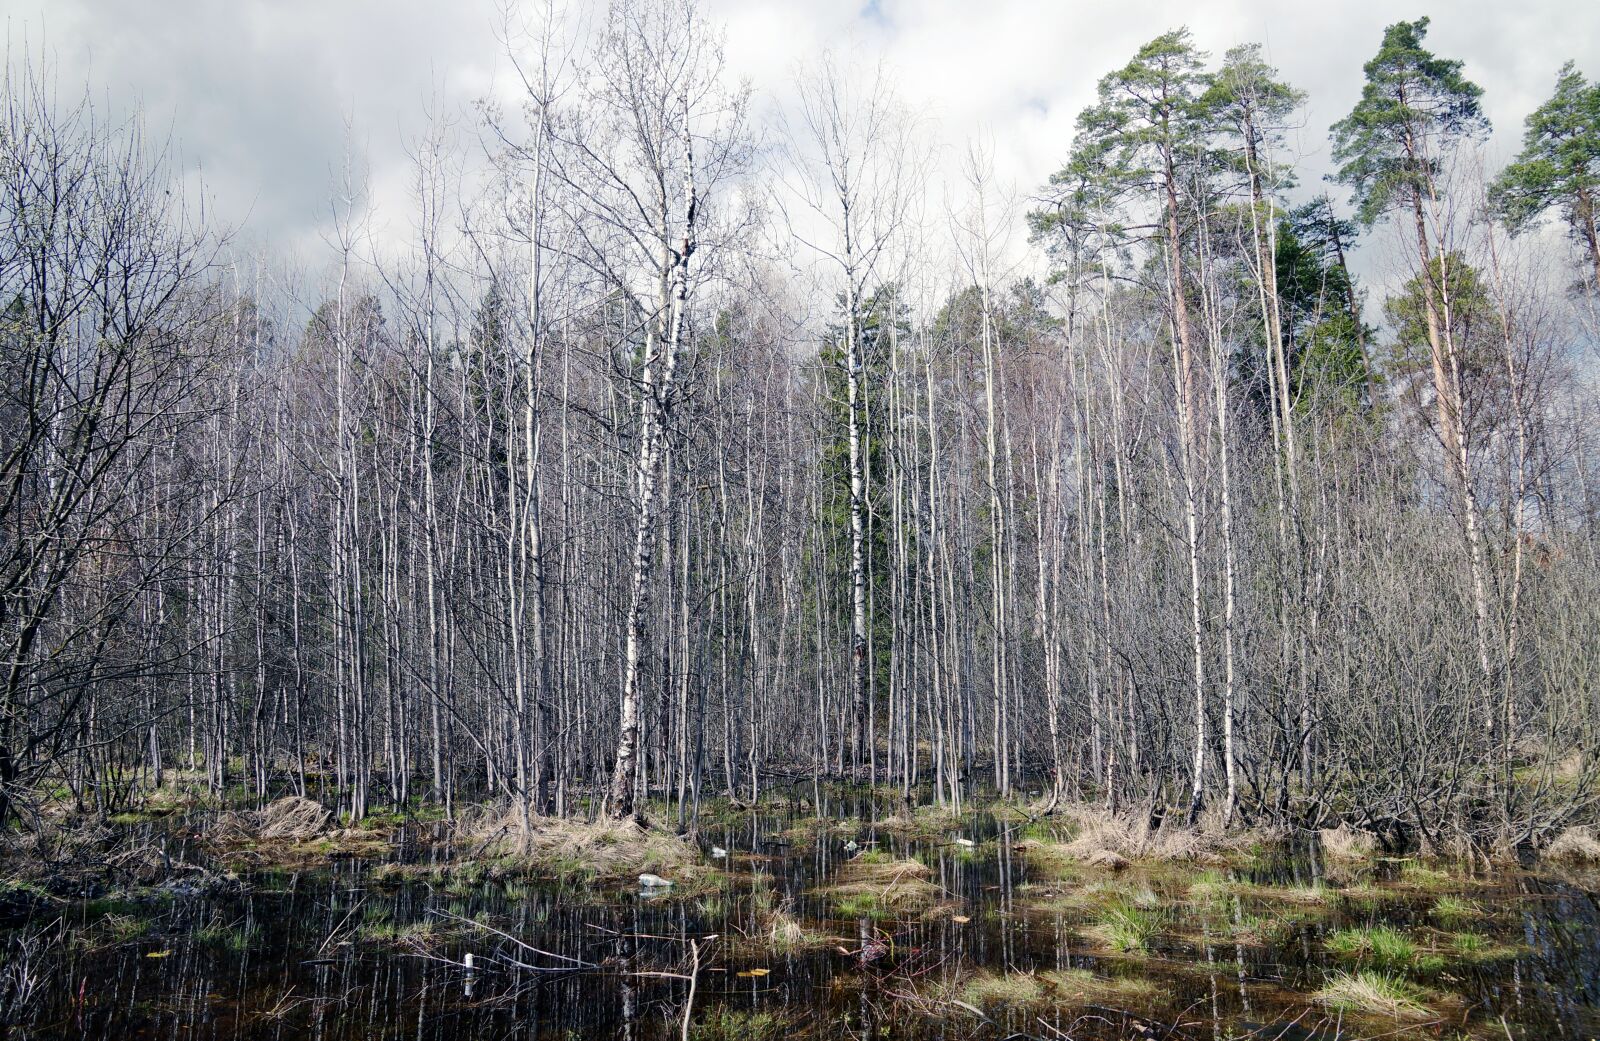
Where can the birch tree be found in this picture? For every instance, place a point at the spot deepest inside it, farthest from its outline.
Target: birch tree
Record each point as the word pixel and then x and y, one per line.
pixel 657 137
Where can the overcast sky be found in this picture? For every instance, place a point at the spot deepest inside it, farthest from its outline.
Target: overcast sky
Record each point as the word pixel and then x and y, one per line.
pixel 256 93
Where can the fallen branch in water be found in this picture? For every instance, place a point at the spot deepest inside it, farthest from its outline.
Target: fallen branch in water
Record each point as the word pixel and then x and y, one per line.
pixel 573 964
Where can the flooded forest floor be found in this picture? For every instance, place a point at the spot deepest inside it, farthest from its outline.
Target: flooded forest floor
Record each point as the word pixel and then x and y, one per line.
pixel 835 916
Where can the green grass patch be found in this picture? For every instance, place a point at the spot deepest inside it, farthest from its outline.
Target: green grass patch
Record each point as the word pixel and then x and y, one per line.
pixel 1127 927
pixel 1043 830
pixel 881 889
pixel 728 1024
pixel 1210 885
pixel 225 936
pixel 861 905
pixel 1453 910
pixel 120 928
pixel 1257 929
pixel 1475 948
pixel 1380 946
pixel 989 990
pixel 783 934
pixel 1421 876
pixel 1053 987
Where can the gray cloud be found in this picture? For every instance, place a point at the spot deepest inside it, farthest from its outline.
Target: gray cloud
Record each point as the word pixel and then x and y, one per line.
pixel 256 93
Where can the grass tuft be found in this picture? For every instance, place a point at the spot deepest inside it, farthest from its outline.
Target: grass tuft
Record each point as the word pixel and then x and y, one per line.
pixel 1054 987
pixel 988 990
pixel 1374 993
pixel 1421 876
pixel 1125 926
pixel 1451 910
pixel 1379 945
pixel 881 889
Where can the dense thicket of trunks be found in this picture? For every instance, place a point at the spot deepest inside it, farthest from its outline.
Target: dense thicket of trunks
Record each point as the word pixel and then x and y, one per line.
pixel 744 462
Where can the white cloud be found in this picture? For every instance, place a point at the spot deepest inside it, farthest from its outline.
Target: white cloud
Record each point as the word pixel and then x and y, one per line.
pixel 256 92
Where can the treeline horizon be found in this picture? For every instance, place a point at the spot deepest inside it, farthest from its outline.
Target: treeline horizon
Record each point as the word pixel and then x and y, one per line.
pixel 572 503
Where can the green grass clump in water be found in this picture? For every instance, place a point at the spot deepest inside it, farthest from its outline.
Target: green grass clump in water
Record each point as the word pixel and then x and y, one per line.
pixel 1105 891
pixel 219 934
pixel 1374 993
pixel 1471 947
pixel 1053 987
pixel 860 905
pixel 1448 910
pixel 1391 947
pixel 762 898
pixel 385 930
pixel 1045 831
pixel 119 928
pixel 1013 989
pixel 1366 897
pixel 1209 884
pixel 1415 873
pixel 21 887
pixel 377 925
pixel 108 906
pixel 785 934
pixel 1380 945
pixel 1256 929
pixel 875 890
pixel 726 1024
pixel 1128 927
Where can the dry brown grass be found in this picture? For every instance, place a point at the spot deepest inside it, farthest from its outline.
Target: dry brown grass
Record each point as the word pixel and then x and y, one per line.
pixel 1112 841
pixel 893 886
pixel 783 932
pixel 1374 993
pixel 1062 988
pixel 1575 845
pixel 924 820
pixel 1347 843
pixel 602 849
pixel 291 818
pixel 292 832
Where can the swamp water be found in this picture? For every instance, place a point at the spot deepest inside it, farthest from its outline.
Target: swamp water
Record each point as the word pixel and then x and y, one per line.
pixel 992 941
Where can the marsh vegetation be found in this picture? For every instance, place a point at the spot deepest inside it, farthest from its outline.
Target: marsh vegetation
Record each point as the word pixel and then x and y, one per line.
pixel 854 925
